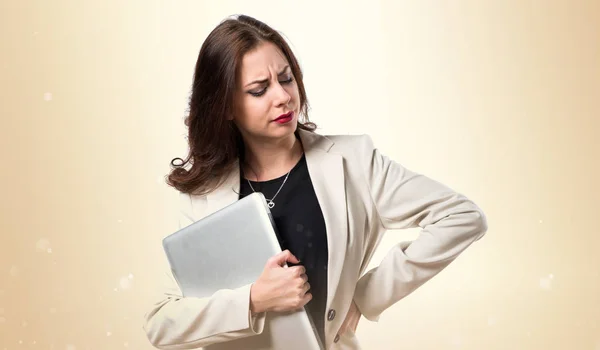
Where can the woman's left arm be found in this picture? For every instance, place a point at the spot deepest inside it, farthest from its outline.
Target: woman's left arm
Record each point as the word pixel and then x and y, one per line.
pixel 450 222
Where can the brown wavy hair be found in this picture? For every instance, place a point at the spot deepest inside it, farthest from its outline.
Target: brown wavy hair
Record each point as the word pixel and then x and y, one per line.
pixel 214 142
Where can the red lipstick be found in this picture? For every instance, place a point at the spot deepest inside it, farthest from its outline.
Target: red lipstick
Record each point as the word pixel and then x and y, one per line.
pixel 285 118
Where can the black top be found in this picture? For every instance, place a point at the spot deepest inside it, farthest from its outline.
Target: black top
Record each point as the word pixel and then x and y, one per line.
pixel 301 227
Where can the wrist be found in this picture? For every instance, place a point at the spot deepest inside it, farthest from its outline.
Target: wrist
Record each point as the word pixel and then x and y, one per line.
pixel 255 304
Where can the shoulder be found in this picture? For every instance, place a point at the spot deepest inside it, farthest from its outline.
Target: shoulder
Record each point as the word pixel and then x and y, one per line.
pixel 358 151
pixel 356 147
pixel 190 206
pixel 348 146
pixel 351 142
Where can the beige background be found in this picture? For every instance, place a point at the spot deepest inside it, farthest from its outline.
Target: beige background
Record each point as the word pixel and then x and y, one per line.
pixel 498 100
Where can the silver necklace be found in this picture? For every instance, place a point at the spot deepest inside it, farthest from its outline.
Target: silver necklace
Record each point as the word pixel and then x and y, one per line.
pixel 270 202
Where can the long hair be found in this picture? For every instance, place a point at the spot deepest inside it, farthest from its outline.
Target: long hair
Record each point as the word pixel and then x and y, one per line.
pixel 214 142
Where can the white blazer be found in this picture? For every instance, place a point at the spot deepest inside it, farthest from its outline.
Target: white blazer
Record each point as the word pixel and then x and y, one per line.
pixel 362 194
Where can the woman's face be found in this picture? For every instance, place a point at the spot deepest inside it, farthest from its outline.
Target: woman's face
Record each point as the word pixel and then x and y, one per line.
pixel 267 101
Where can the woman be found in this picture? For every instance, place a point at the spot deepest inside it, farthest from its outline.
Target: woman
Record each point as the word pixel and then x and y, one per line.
pixel 332 198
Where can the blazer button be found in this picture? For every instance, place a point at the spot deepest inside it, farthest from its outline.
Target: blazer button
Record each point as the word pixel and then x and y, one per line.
pixel 337 338
pixel 331 315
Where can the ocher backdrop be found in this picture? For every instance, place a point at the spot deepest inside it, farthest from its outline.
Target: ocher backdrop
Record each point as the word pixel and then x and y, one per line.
pixel 498 100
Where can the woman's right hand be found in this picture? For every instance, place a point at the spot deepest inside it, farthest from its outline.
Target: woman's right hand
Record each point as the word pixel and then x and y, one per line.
pixel 280 288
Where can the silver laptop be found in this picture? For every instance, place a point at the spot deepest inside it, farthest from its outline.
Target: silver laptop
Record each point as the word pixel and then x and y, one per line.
pixel 229 249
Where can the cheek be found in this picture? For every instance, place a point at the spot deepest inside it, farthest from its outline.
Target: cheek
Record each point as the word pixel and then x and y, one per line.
pixel 251 110
pixel 293 92
pixel 257 107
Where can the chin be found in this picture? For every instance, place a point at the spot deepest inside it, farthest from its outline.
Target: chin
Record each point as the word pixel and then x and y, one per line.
pixel 285 130
pixel 288 129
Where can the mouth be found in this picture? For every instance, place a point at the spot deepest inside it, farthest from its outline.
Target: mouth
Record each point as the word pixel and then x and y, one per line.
pixel 285 116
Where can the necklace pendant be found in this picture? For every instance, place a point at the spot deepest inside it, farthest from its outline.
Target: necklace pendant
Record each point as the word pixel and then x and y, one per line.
pixel 271 204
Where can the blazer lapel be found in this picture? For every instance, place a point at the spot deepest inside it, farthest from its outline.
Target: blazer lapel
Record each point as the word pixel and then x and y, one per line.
pixel 327 175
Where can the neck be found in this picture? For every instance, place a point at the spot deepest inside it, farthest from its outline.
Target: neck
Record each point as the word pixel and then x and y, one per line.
pixel 269 160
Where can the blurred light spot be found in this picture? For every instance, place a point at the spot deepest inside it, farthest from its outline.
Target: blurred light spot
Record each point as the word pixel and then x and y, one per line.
pixel 456 340
pixel 550 276
pixel 50 251
pixel 299 228
pixel 125 283
pixel 34 342
pixel 546 283
pixel 125 344
pixel 20 342
pixel 24 323
pixel 48 96
pixel 308 233
pixel 119 221
pixel 115 289
pixel 491 321
pixel 130 276
pixel 42 245
pixel 309 244
pixel 14 271
pixel 108 334
pixel 541 221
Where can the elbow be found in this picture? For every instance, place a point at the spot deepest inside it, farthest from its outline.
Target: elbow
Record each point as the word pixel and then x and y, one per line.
pixel 153 334
pixel 162 333
pixel 156 332
pixel 480 224
pixel 158 340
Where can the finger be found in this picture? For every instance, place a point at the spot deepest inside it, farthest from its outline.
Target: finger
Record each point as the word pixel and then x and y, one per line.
pixel 353 322
pixel 305 287
pixel 343 328
pixel 298 270
pixel 281 258
pixel 304 277
pixel 292 258
pixel 307 297
pixel 357 316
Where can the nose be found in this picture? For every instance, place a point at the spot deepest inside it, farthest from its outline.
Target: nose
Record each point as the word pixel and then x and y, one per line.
pixel 281 95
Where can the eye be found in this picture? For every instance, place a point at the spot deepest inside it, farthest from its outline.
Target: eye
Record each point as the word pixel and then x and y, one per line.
pixel 287 81
pixel 262 92
pixel 259 93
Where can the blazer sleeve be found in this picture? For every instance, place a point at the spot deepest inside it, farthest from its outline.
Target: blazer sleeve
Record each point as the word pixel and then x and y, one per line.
pixel 178 322
pixel 402 199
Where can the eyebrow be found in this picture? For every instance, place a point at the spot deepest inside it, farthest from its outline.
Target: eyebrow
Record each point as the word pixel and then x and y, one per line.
pixel 262 81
